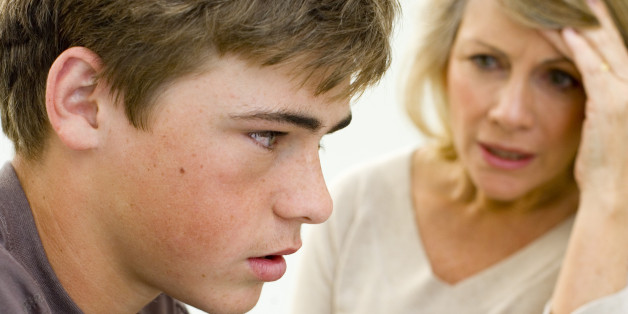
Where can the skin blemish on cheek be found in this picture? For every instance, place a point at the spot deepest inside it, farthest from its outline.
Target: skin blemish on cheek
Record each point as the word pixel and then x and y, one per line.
pixel 181 170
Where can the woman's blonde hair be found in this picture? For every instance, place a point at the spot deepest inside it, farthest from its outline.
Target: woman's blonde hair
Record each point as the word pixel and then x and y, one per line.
pixel 442 20
pixel 427 77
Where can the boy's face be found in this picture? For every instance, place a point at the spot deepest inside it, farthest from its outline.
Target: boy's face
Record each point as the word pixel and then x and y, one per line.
pixel 204 204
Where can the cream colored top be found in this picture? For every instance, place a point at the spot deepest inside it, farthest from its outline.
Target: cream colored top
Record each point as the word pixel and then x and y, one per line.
pixel 368 258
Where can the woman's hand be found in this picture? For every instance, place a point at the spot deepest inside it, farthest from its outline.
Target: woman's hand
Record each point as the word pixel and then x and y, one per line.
pixel 601 56
pixel 596 262
pixel 602 59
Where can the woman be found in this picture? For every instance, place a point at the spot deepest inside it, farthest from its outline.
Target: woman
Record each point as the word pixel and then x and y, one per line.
pixel 520 197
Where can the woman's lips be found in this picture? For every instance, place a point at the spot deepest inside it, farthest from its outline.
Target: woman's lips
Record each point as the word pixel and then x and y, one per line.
pixel 268 268
pixel 504 158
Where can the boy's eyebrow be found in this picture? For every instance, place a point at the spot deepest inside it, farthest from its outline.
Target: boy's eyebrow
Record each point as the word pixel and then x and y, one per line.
pixel 298 119
pixel 342 124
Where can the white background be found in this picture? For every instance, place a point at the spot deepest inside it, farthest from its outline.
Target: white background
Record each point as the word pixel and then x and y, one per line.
pixel 379 127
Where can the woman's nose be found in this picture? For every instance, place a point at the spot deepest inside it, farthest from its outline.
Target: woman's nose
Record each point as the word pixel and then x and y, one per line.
pixel 512 110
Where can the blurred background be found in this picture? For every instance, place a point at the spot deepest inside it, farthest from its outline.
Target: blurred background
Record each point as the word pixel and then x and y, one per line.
pixel 379 127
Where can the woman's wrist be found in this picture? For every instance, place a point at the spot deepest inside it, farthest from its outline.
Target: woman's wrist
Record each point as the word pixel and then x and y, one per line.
pixel 610 203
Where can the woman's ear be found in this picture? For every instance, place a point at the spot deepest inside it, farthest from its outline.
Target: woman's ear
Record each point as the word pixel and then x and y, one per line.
pixel 70 103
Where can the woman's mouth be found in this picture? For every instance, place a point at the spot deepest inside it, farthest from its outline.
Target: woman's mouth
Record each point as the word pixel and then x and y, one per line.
pixel 503 158
pixel 510 155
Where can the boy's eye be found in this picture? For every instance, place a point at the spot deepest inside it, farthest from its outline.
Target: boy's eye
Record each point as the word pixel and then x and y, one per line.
pixel 266 139
pixel 562 80
pixel 485 62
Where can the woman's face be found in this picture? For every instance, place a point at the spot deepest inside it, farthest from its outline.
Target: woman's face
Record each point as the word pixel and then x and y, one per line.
pixel 516 103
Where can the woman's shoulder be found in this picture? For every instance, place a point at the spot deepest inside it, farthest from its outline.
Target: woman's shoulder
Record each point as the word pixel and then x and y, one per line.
pixel 380 187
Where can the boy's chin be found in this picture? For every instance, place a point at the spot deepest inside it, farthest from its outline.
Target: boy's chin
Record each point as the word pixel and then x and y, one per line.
pixel 230 303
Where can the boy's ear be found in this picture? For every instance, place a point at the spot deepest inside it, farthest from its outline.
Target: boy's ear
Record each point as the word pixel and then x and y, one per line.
pixel 70 101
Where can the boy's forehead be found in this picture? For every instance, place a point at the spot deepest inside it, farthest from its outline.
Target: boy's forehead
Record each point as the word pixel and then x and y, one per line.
pixel 298 73
pixel 242 90
pixel 303 72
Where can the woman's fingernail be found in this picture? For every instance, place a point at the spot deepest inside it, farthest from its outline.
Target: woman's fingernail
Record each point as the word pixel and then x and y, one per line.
pixel 568 34
pixel 592 2
pixel 568 31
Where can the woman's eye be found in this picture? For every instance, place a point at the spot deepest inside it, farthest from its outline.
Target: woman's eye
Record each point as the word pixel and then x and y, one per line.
pixel 485 62
pixel 563 80
pixel 265 138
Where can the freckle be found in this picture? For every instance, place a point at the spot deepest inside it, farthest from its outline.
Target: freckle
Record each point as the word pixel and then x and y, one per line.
pixel 201 166
pixel 203 275
pixel 181 170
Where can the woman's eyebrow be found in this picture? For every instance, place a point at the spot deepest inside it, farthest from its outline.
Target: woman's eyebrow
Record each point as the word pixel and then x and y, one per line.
pixel 488 46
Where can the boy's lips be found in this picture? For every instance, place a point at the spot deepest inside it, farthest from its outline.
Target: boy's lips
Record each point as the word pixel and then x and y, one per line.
pixel 270 267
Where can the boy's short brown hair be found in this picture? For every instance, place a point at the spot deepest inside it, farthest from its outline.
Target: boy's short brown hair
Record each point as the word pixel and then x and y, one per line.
pixel 145 44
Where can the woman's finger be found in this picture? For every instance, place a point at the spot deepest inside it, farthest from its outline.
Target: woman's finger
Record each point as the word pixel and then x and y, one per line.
pixel 600 10
pixel 591 65
pixel 606 39
pixel 554 37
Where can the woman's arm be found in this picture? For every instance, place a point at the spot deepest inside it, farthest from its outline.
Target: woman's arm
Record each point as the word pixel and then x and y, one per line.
pixel 596 262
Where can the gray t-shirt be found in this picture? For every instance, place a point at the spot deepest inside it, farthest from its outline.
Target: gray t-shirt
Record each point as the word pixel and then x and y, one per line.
pixel 27 282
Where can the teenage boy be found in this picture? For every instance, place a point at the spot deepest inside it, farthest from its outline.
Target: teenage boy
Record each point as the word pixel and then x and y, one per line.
pixel 168 149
